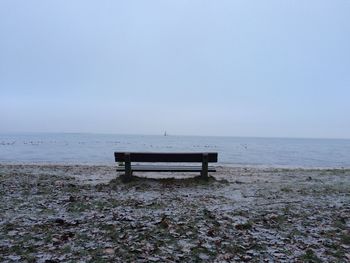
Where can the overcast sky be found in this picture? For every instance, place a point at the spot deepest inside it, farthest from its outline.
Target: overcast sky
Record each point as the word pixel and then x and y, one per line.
pixel 236 68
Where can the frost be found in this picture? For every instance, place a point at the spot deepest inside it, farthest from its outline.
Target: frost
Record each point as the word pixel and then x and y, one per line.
pixel 64 213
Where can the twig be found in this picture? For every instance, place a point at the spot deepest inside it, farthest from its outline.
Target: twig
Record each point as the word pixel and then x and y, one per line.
pixel 281 202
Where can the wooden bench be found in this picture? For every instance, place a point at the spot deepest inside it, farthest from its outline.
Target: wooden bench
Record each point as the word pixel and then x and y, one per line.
pixel 153 157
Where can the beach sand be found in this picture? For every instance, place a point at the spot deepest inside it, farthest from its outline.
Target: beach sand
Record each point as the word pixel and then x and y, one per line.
pixel 57 213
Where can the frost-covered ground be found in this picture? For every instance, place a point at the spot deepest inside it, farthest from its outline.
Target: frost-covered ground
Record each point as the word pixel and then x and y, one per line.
pixel 76 213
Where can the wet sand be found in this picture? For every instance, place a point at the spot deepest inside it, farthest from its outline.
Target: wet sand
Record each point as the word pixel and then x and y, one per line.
pixel 56 213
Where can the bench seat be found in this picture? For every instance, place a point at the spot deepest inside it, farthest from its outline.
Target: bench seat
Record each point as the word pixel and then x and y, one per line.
pixel 166 158
pixel 164 168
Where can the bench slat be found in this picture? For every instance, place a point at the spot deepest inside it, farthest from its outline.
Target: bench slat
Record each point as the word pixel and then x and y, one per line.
pixel 165 157
pixel 163 168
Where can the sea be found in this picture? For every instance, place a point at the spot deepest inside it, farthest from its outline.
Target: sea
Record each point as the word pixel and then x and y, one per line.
pixel 98 149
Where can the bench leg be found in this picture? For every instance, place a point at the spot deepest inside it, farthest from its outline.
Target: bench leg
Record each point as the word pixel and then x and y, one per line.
pixel 204 173
pixel 128 172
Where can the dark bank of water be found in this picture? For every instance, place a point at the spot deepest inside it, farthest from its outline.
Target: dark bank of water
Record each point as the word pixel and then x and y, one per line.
pixel 99 148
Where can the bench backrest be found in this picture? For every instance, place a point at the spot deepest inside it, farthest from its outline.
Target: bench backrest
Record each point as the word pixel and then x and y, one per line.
pixel 164 157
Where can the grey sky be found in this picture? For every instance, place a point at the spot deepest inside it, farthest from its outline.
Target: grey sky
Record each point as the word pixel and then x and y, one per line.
pixel 240 68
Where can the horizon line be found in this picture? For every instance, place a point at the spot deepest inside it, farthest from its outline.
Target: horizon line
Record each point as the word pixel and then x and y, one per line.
pixel 178 135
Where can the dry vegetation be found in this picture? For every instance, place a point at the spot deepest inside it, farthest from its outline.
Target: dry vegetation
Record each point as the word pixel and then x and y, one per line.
pixel 75 213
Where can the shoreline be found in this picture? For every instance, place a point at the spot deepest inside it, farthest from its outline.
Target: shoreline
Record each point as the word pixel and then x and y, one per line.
pixel 226 165
pixel 97 174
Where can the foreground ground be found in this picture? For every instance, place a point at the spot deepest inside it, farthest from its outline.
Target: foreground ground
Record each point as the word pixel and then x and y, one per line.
pixel 75 213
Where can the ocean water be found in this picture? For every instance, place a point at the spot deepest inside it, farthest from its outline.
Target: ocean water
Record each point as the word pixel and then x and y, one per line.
pixel 237 151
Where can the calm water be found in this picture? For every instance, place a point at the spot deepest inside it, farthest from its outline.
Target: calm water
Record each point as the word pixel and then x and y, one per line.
pixel 98 149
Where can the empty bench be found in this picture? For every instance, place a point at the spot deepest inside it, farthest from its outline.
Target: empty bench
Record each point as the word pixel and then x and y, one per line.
pixel 151 157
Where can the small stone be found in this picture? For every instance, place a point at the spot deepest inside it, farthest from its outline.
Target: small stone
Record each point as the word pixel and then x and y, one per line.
pixel 203 256
pixel 60 221
pixel 109 251
pixel 153 259
pixel 14 257
pixel 59 183
pixel 12 233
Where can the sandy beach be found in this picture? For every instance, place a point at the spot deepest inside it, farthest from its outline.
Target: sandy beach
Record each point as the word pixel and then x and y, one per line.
pixel 57 213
